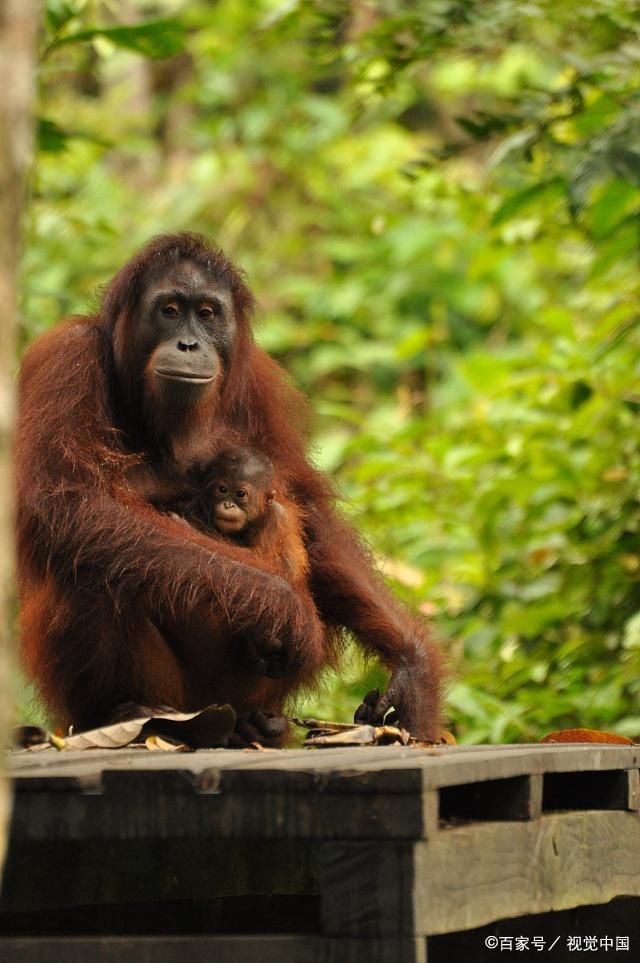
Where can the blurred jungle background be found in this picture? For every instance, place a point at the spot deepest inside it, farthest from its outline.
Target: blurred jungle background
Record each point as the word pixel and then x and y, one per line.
pixel 437 203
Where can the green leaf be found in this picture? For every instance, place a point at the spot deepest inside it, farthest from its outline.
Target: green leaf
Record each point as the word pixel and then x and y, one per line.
pixel 58 13
pixel 51 138
pixel 553 187
pixel 616 200
pixel 626 164
pixel 632 632
pixel 482 125
pixel 621 244
pixel 155 38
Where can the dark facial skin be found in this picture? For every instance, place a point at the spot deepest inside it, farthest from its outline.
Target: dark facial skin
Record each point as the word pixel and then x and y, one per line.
pixel 186 328
pixel 241 492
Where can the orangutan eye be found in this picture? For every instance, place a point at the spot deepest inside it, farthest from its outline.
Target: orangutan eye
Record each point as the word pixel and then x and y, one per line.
pixel 222 490
pixel 205 314
pixel 170 311
pixel 241 493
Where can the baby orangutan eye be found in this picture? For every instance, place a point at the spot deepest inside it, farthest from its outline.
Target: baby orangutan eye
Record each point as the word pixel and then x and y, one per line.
pixel 222 489
pixel 241 493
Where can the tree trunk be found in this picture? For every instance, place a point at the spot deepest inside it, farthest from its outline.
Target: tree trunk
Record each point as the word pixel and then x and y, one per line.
pixel 18 24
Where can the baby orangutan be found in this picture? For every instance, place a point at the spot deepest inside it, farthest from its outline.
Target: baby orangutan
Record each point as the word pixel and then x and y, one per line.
pixel 245 507
pixel 241 502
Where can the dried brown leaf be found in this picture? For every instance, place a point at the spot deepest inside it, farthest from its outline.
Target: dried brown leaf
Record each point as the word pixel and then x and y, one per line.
pixel 588 735
pixel 153 743
pixel 209 728
pixel 359 736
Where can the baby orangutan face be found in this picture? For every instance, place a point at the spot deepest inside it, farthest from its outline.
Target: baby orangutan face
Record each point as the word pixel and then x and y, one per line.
pixel 241 490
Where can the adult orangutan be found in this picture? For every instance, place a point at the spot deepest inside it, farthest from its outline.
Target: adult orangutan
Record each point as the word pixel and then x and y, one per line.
pixel 122 603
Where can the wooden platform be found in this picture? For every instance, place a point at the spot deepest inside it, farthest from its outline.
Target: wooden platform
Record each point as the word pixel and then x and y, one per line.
pixel 344 855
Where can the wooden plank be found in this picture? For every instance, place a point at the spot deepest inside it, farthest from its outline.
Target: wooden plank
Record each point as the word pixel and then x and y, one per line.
pixel 368 779
pixel 88 762
pixel 151 782
pixel 367 889
pixel 533 802
pixel 204 949
pixel 143 813
pixel 452 770
pixel 471 875
pixel 52 875
pixel 370 769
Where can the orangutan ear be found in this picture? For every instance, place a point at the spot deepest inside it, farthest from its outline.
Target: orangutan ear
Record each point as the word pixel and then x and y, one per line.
pixel 271 495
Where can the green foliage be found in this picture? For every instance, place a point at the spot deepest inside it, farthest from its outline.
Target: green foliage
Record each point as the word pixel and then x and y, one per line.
pixel 437 204
pixel 154 38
